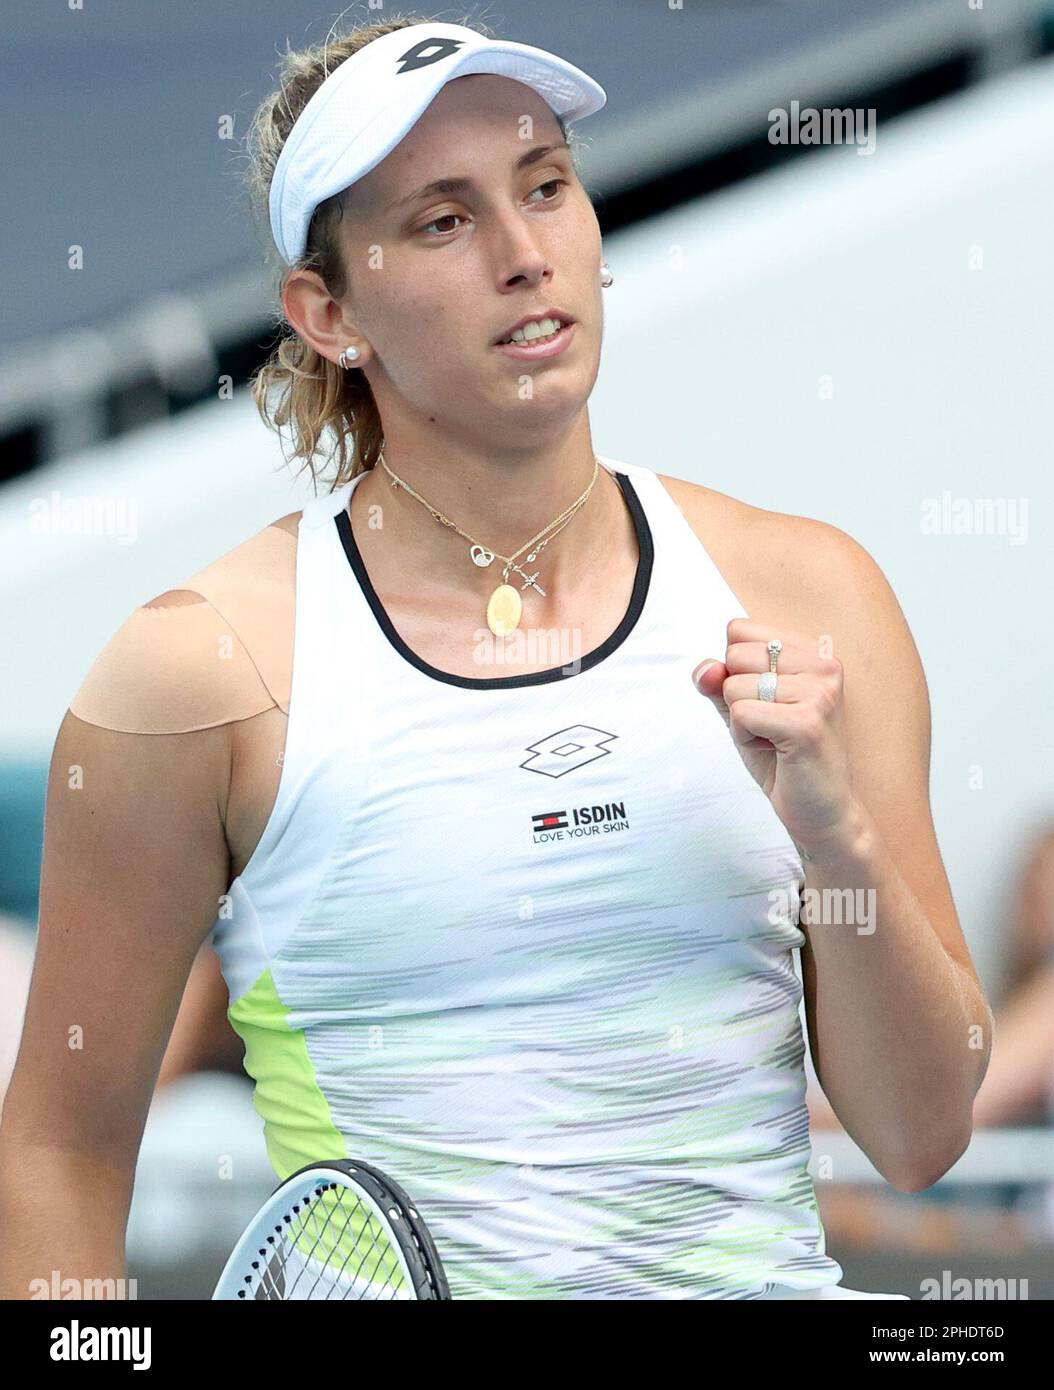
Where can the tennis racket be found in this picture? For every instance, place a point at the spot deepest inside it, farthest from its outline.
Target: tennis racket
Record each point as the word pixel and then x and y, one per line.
pixel 336 1229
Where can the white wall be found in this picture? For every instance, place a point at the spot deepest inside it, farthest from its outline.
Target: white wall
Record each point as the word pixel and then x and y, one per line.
pixel 723 319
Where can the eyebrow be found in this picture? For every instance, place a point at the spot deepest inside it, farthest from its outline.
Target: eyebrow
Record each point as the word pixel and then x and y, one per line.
pixel 462 185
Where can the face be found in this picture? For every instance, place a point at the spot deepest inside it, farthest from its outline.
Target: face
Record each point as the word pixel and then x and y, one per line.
pixel 434 278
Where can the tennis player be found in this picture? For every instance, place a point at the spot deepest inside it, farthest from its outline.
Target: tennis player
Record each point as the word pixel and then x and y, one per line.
pixel 508 779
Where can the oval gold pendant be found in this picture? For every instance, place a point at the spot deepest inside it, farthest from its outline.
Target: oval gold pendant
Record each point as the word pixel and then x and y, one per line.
pixel 504 610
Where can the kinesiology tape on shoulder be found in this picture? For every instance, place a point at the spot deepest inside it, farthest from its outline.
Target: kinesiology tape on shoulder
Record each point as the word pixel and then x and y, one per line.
pixel 187 665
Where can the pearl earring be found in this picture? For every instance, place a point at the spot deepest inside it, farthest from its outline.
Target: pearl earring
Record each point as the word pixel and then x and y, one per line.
pixel 348 356
pixel 606 277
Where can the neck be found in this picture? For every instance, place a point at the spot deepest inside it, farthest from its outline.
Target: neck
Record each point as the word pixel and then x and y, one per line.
pixel 503 501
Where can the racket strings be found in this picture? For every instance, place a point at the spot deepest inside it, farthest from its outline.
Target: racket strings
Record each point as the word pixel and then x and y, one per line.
pixel 379 1243
pixel 320 1233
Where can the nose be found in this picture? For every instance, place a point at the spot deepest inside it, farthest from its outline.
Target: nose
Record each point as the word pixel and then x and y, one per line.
pixel 517 252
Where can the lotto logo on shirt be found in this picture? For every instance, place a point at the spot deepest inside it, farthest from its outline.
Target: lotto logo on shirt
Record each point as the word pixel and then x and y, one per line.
pixel 567 749
pixel 579 822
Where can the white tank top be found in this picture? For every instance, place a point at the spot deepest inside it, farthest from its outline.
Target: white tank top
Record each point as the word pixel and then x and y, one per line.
pixel 516 940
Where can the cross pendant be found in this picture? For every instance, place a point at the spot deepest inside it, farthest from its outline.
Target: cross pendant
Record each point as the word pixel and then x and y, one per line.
pixel 528 580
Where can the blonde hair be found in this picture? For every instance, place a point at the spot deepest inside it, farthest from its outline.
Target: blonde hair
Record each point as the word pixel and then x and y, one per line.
pixel 297 386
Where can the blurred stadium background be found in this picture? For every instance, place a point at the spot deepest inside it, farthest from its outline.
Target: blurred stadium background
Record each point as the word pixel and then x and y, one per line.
pixel 842 333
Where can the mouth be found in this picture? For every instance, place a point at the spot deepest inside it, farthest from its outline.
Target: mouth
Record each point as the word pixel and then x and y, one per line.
pixel 543 346
pixel 535 327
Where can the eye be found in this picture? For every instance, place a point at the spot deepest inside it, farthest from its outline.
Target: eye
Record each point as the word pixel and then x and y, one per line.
pixel 443 218
pixel 555 184
pixel 551 183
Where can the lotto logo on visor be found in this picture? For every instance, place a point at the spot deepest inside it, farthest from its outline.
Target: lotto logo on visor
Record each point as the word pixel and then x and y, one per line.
pixel 419 57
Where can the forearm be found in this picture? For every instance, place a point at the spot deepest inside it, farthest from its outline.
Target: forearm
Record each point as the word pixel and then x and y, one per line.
pixel 902 1033
pixel 64 1217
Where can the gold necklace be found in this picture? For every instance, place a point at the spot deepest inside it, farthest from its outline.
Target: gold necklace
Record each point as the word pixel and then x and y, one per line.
pixel 505 607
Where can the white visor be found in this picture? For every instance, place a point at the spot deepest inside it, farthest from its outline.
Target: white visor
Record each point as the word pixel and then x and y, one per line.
pixel 369 102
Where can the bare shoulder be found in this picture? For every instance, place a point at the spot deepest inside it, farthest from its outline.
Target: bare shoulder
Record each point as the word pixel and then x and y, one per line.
pixel 289 523
pixel 213 650
pixel 785 568
pixel 708 511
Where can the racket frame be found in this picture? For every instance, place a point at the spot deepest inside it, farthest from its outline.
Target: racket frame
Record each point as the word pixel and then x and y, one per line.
pixel 415 1249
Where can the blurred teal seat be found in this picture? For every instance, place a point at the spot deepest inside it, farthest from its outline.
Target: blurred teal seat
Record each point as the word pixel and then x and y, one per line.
pixel 23 786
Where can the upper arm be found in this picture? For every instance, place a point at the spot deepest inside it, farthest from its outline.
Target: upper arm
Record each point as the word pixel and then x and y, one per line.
pixel 845 597
pixel 135 860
